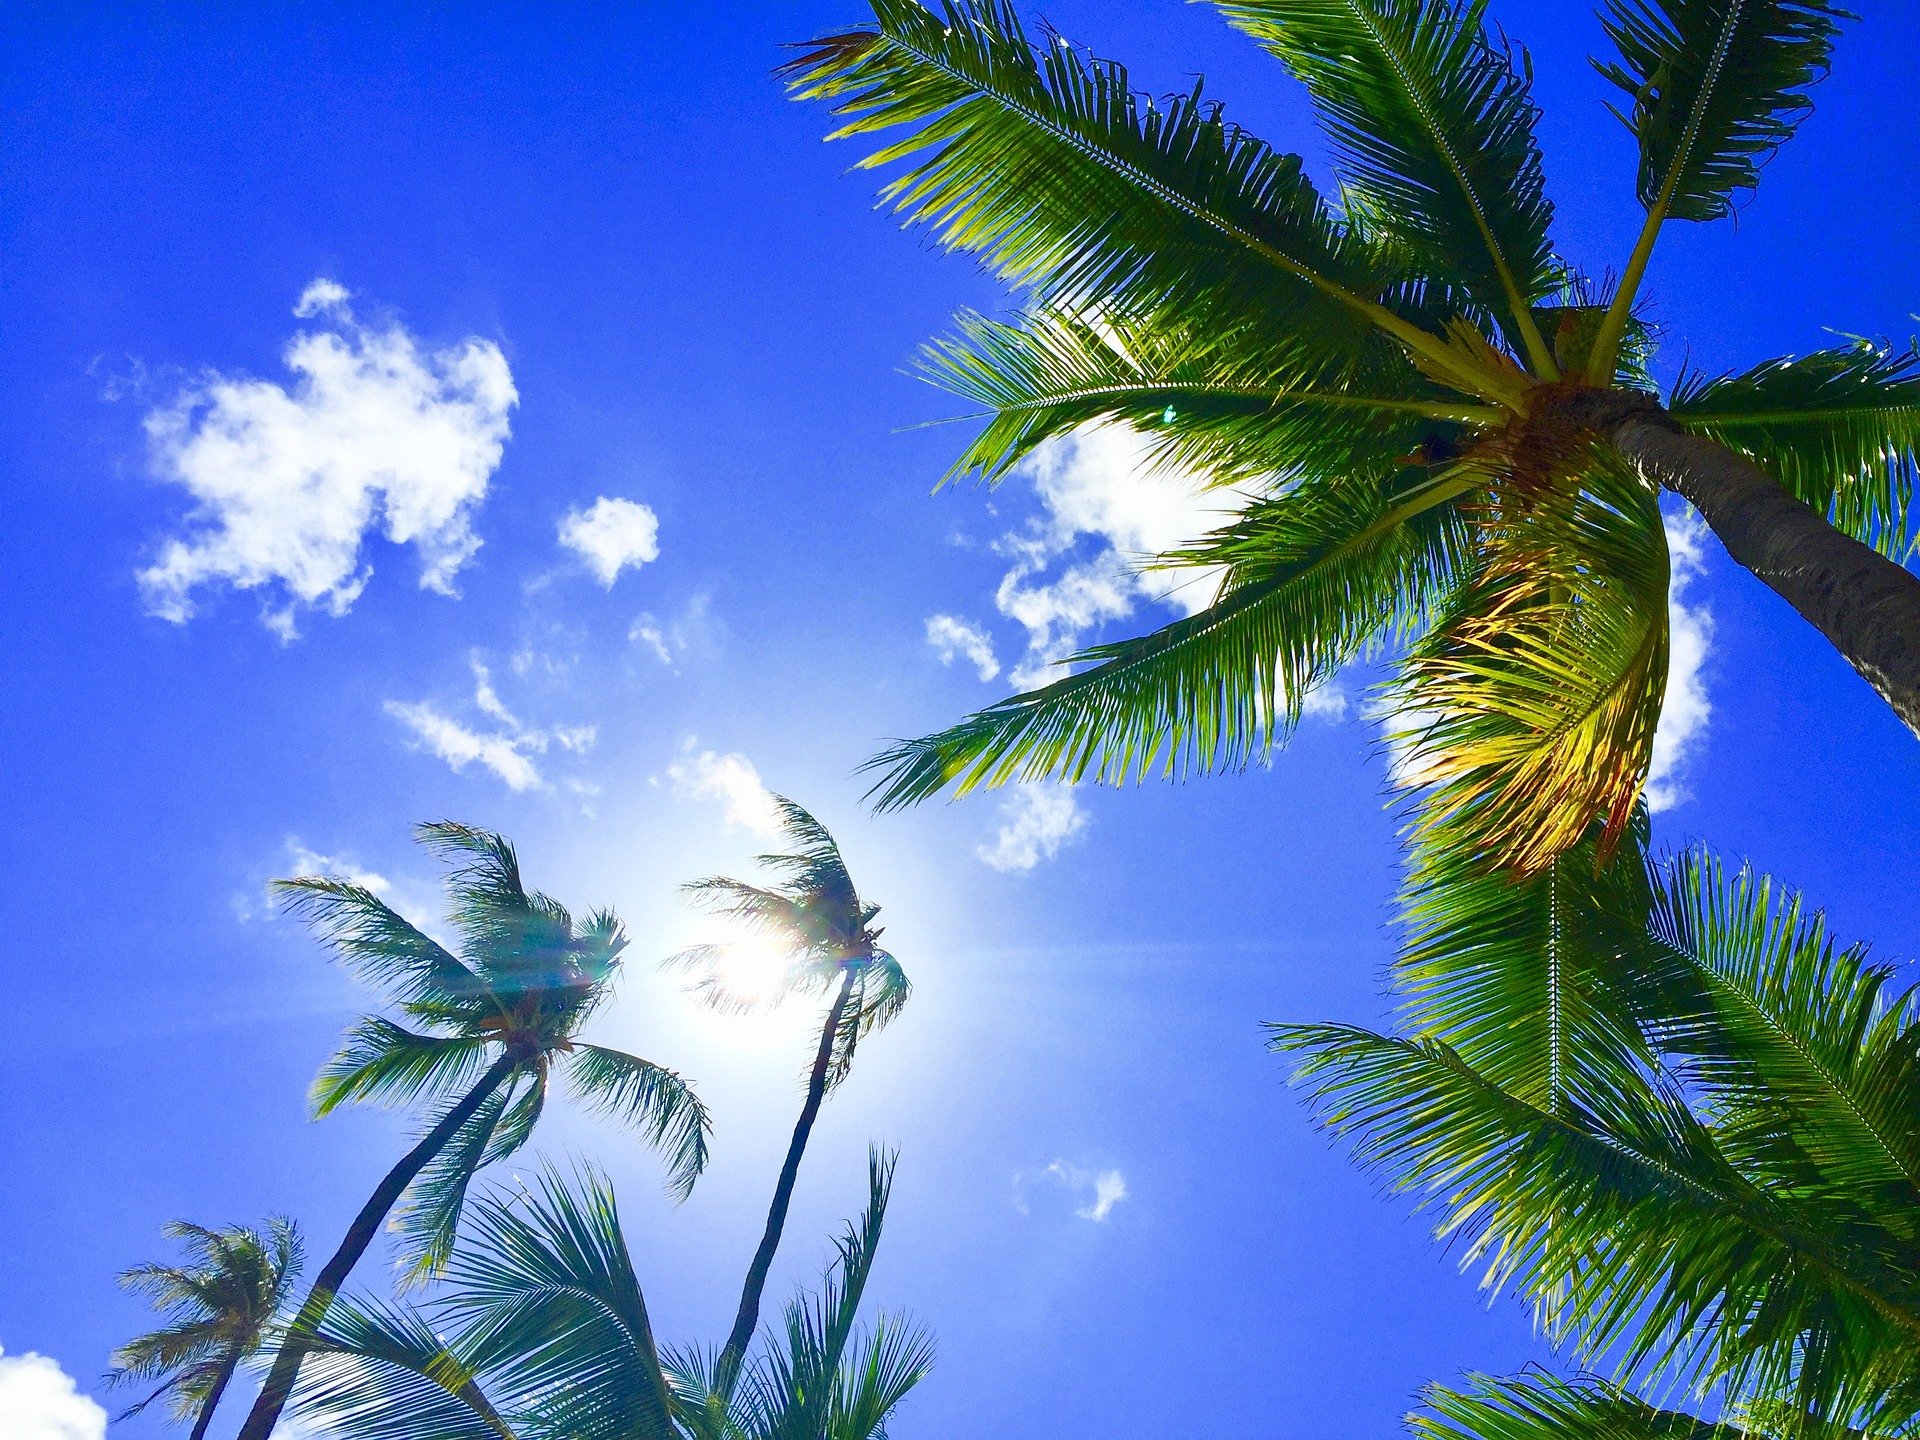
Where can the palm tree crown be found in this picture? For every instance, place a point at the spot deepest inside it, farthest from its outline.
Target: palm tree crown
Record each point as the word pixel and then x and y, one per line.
pixel 497 1014
pixel 217 1304
pixel 1446 437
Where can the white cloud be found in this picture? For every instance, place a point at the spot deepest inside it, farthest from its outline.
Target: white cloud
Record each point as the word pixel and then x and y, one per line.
pixel 506 748
pixel 1109 1189
pixel 1683 718
pixel 952 638
pixel 288 480
pixel 668 641
pixel 610 535
pixel 1036 820
pixel 1100 1190
pixel 39 1401
pixel 733 781
pixel 303 861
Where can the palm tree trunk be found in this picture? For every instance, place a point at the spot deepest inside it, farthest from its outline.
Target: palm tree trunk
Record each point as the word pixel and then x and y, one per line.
pixel 1866 605
pixel 747 1319
pixel 286 1363
pixel 227 1367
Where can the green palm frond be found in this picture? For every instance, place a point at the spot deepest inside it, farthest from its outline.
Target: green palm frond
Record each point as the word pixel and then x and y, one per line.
pixel 1542 692
pixel 1630 1229
pixel 1537 1406
pixel 1433 127
pixel 882 1367
pixel 546 1288
pixel 428 1218
pixel 386 1064
pixel 379 1372
pixel 382 945
pixel 880 992
pixel 650 1098
pixel 1713 87
pixel 1223 404
pixel 1065 181
pixel 1521 976
pixel 1312 578
pixel 1839 428
pixel 1795 1039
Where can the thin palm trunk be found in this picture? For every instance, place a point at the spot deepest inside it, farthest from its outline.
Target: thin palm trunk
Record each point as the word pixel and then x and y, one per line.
pixel 747 1319
pixel 227 1367
pixel 1866 605
pixel 293 1349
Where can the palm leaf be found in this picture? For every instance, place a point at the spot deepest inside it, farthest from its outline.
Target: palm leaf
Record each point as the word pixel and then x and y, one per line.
pixel 1715 87
pixel 379 1372
pixel 1839 428
pixel 651 1098
pixel 1064 180
pixel 1230 405
pixel 429 1215
pixel 1543 690
pixel 1537 1406
pixel 379 943
pixel 1432 125
pixel 1312 578
pixel 387 1064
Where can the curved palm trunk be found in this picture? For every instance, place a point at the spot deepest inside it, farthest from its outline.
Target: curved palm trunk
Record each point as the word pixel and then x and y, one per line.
pixel 1866 605
pixel 286 1363
pixel 227 1367
pixel 747 1319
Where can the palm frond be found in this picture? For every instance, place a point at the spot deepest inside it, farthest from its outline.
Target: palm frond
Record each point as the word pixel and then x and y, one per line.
pixel 1312 578
pixel 652 1099
pixel 386 1064
pixel 1713 88
pixel 428 1217
pixel 546 1287
pixel 1064 180
pixel 1521 976
pixel 1433 124
pixel 1234 405
pixel 1794 1039
pixel 1628 1226
pixel 1544 687
pixel 379 943
pixel 379 1372
pixel 1839 428
pixel 1537 1406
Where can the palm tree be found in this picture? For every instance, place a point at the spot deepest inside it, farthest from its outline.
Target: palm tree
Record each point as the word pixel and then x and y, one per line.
pixel 217 1305
pixel 831 947
pixel 550 1336
pixel 1695 1148
pixel 1449 437
pixel 498 1014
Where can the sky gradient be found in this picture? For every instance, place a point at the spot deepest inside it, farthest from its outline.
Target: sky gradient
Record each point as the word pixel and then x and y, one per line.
pixel 601 504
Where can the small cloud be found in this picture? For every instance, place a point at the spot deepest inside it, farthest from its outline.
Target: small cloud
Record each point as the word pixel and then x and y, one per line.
pixel 1098 1191
pixel 1684 715
pixel 669 642
pixel 611 535
pixel 373 433
pixel 953 638
pixel 303 861
pixel 1036 821
pixel 39 1401
pixel 646 632
pixel 733 781
pixel 506 747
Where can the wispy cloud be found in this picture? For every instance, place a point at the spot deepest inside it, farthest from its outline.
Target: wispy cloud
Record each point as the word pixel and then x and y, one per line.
pixel 39 1401
pixel 373 433
pixel 732 780
pixel 612 535
pixel 1036 820
pixel 953 638
pixel 669 641
pixel 1096 1191
pixel 505 747
pixel 1683 719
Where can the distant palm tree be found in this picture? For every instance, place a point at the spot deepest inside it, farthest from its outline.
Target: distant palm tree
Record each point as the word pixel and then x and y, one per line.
pixel 831 947
pixel 218 1306
pixel 1449 435
pixel 1691 1139
pixel 498 1016
pixel 549 1338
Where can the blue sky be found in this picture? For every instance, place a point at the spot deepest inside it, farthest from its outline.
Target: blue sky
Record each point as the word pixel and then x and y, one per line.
pixel 593 276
